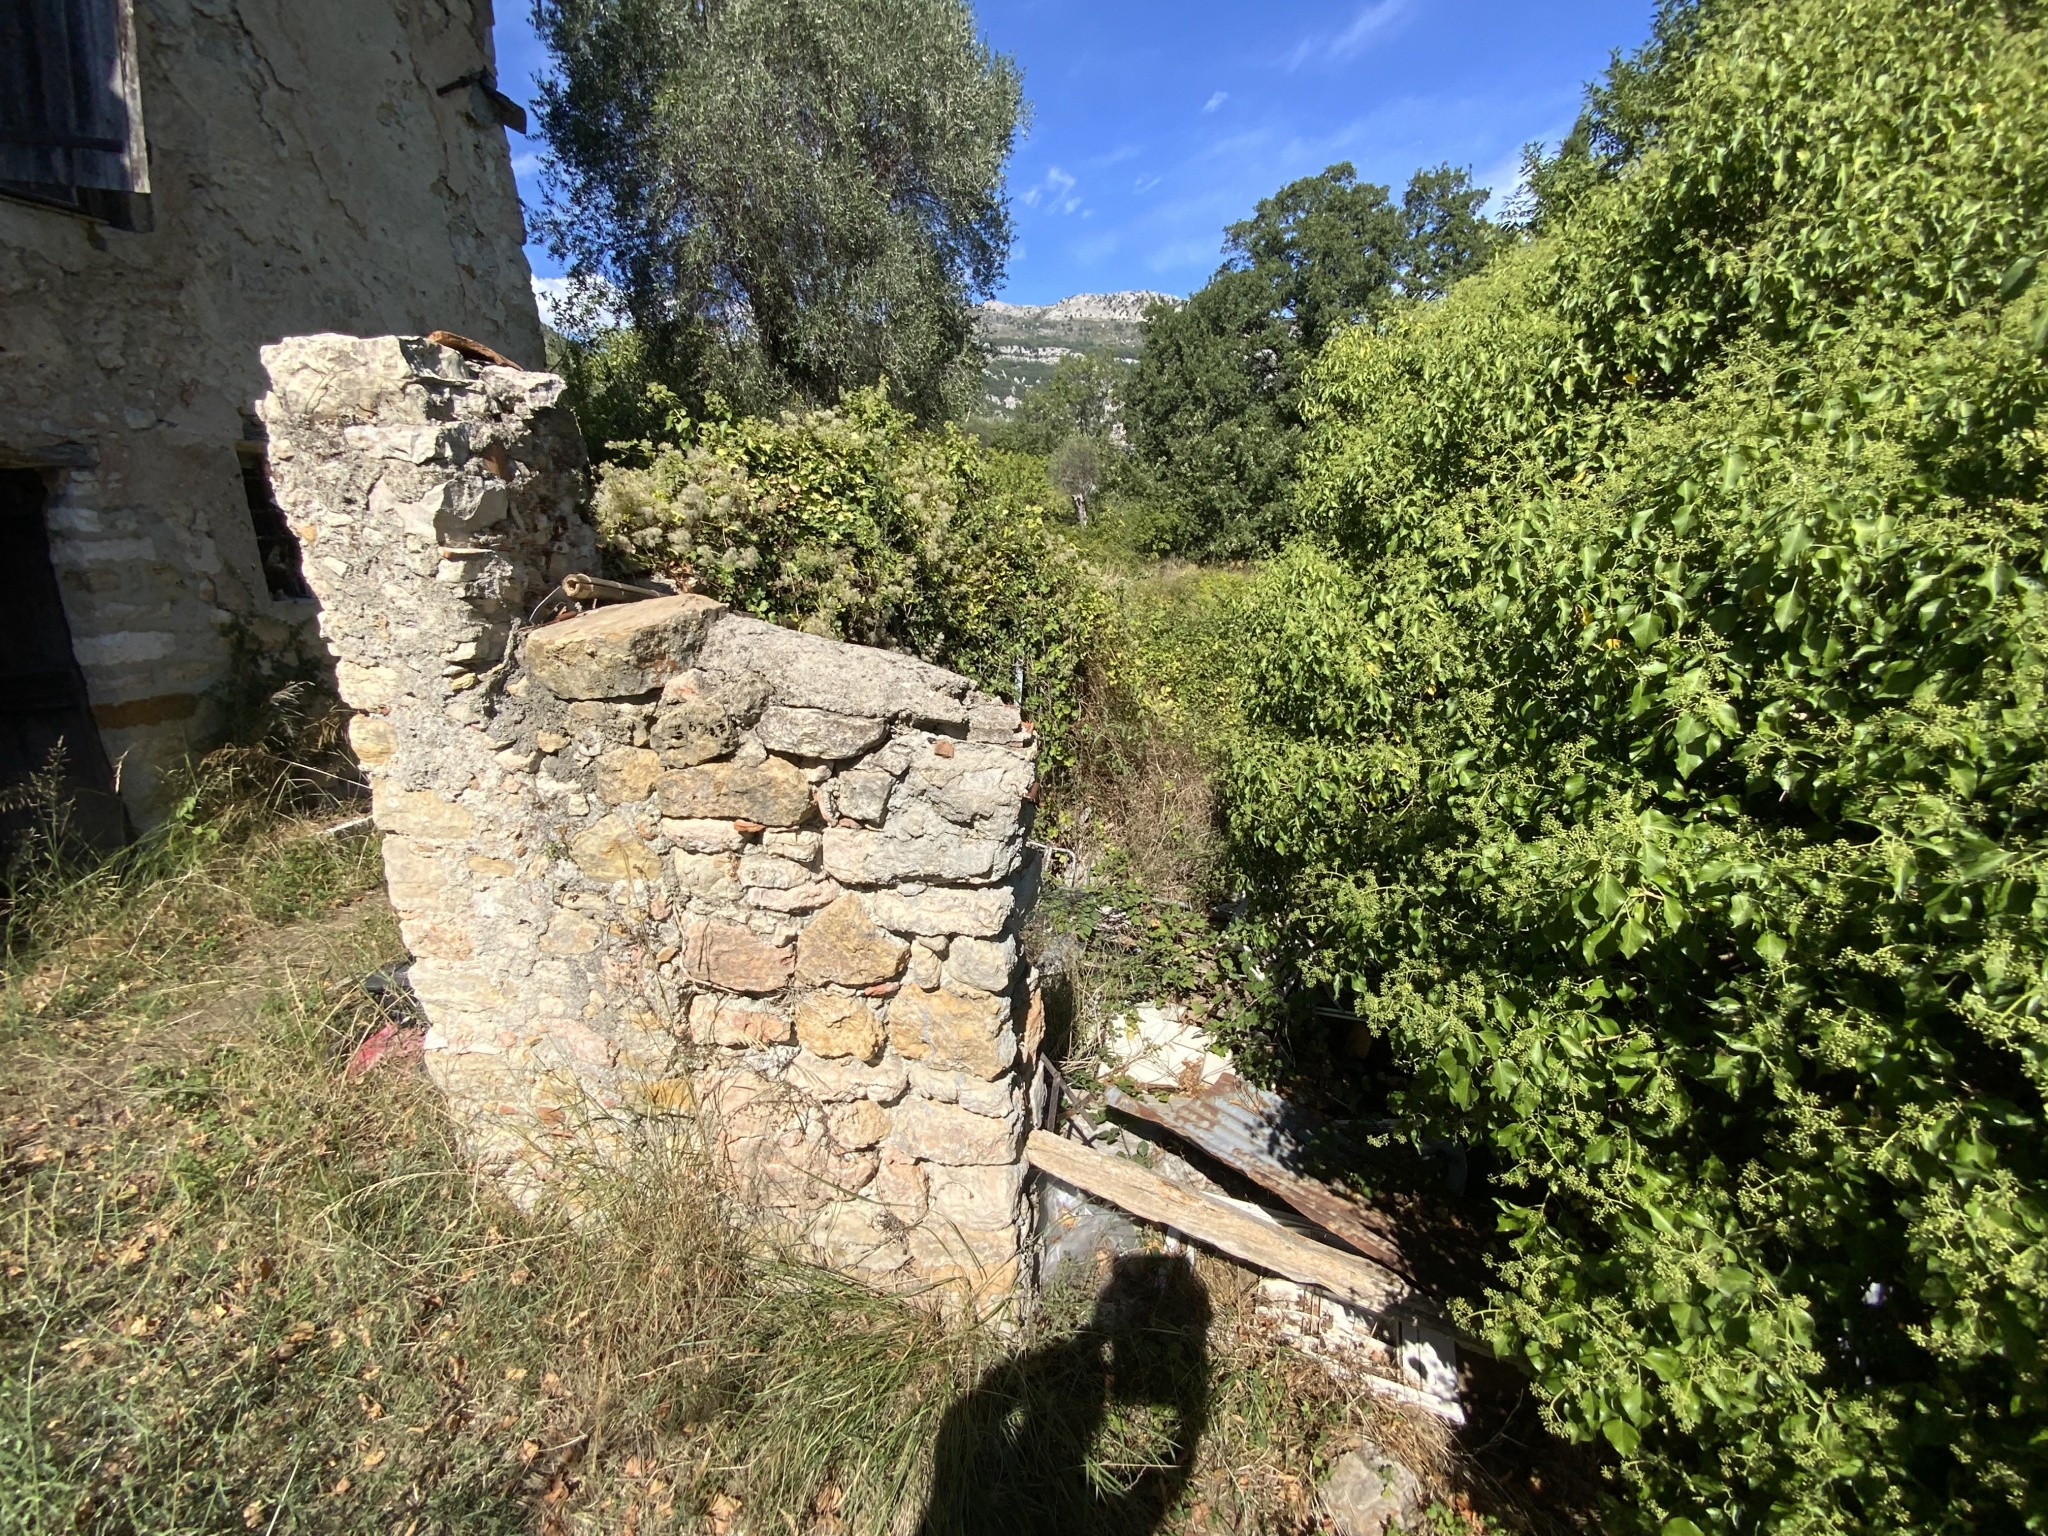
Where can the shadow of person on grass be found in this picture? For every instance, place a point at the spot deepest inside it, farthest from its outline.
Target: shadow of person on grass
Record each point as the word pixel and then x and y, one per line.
pixel 1014 1455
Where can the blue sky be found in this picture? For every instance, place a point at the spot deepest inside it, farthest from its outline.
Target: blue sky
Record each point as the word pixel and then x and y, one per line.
pixel 1155 124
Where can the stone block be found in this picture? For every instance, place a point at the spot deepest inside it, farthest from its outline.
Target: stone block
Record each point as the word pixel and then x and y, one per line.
pixel 374 739
pixel 833 1024
pixel 857 1124
pixel 944 910
pixel 1368 1493
pixel 417 879
pixel 805 848
pixel 953 1137
pixel 862 795
pixel 999 1096
pixel 692 729
pixel 703 836
pixel 992 720
pixel 622 651
pixel 817 733
pixel 856 856
pixel 733 958
pixel 420 813
pixel 434 938
pixel 984 1197
pixel 773 792
pixel 989 965
pixel 737 1024
pixel 956 1031
pixel 612 850
pixel 802 898
pixel 765 869
pixel 812 672
pixel 858 1235
pixel 714 876
pixel 571 933
pixel 367 687
pixel 900 1186
pixel 460 986
pixel 842 944
pixel 941 1247
pixel 973 785
pixel 838 1080
pixel 626 775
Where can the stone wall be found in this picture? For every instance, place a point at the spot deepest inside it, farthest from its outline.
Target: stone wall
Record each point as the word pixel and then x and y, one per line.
pixel 307 174
pixel 661 865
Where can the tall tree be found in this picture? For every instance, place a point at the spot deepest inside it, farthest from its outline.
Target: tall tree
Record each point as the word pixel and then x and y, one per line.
pixel 1212 403
pixel 1084 394
pixel 789 198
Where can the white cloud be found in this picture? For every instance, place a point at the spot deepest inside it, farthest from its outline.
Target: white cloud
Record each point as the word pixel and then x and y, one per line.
pixel 1145 183
pixel 1215 101
pixel 525 165
pixel 1055 193
pixel 574 314
pixel 1368 24
pixel 1115 156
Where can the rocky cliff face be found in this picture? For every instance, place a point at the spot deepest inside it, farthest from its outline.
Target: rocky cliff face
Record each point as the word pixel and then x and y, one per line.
pixel 1027 341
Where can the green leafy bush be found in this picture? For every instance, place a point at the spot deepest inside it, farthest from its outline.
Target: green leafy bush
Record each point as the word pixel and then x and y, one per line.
pixel 1650 745
pixel 855 524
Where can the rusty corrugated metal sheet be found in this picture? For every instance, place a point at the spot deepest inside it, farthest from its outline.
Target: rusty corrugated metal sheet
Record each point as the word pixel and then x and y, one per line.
pixel 1265 1138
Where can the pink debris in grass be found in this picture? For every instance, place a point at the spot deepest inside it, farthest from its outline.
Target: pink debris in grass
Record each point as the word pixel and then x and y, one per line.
pixel 389 1045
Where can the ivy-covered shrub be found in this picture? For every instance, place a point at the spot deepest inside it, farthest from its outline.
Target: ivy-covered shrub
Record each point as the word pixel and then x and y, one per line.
pixel 1650 745
pixel 856 524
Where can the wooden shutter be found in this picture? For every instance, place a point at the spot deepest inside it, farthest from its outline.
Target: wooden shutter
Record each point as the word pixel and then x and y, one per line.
pixel 71 109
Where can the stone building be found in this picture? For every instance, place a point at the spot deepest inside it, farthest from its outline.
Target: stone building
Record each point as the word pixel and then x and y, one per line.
pixel 181 183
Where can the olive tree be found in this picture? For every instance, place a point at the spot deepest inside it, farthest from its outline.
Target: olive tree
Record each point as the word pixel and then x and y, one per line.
pixel 788 198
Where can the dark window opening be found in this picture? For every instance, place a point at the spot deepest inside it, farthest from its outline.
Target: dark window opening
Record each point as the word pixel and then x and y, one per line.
pixel 55 780
pixel 283 570
pixel 71 109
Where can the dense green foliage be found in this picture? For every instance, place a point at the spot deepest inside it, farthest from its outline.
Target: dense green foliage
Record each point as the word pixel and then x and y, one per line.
pixel 1084 396
pixel 1214 405
pixel 612 388
pixel 789 198
pixel 1650 744
pixel 854 523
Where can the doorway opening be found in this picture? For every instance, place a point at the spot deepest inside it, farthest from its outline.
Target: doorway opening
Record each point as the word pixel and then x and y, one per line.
pixel 54 775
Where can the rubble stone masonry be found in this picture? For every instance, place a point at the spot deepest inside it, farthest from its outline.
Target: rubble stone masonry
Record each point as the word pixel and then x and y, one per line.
pixel 663 866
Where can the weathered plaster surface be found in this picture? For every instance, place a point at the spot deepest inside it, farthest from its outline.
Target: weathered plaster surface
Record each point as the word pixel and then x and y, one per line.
pixel 661 865
pixel 306 176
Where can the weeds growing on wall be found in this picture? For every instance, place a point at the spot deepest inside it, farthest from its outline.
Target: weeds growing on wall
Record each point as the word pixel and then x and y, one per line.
pixel 1651 747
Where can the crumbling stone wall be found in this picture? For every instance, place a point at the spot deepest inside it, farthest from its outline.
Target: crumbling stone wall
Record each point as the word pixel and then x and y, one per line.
pixel 662 864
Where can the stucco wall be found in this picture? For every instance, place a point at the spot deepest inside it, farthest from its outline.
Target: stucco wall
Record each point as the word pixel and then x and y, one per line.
pixel 306 176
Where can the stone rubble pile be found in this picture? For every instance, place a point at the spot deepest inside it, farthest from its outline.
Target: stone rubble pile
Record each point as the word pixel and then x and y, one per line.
pixel 662 864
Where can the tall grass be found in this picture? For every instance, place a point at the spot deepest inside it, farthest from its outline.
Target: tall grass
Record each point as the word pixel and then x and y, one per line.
pixel 244 1290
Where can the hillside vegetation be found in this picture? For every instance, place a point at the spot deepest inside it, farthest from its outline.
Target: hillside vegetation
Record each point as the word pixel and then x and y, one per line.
pixel 1646 737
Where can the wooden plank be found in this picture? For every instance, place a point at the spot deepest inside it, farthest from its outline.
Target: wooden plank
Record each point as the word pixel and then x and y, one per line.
pixel 1261 1135
pixel 1218 1224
